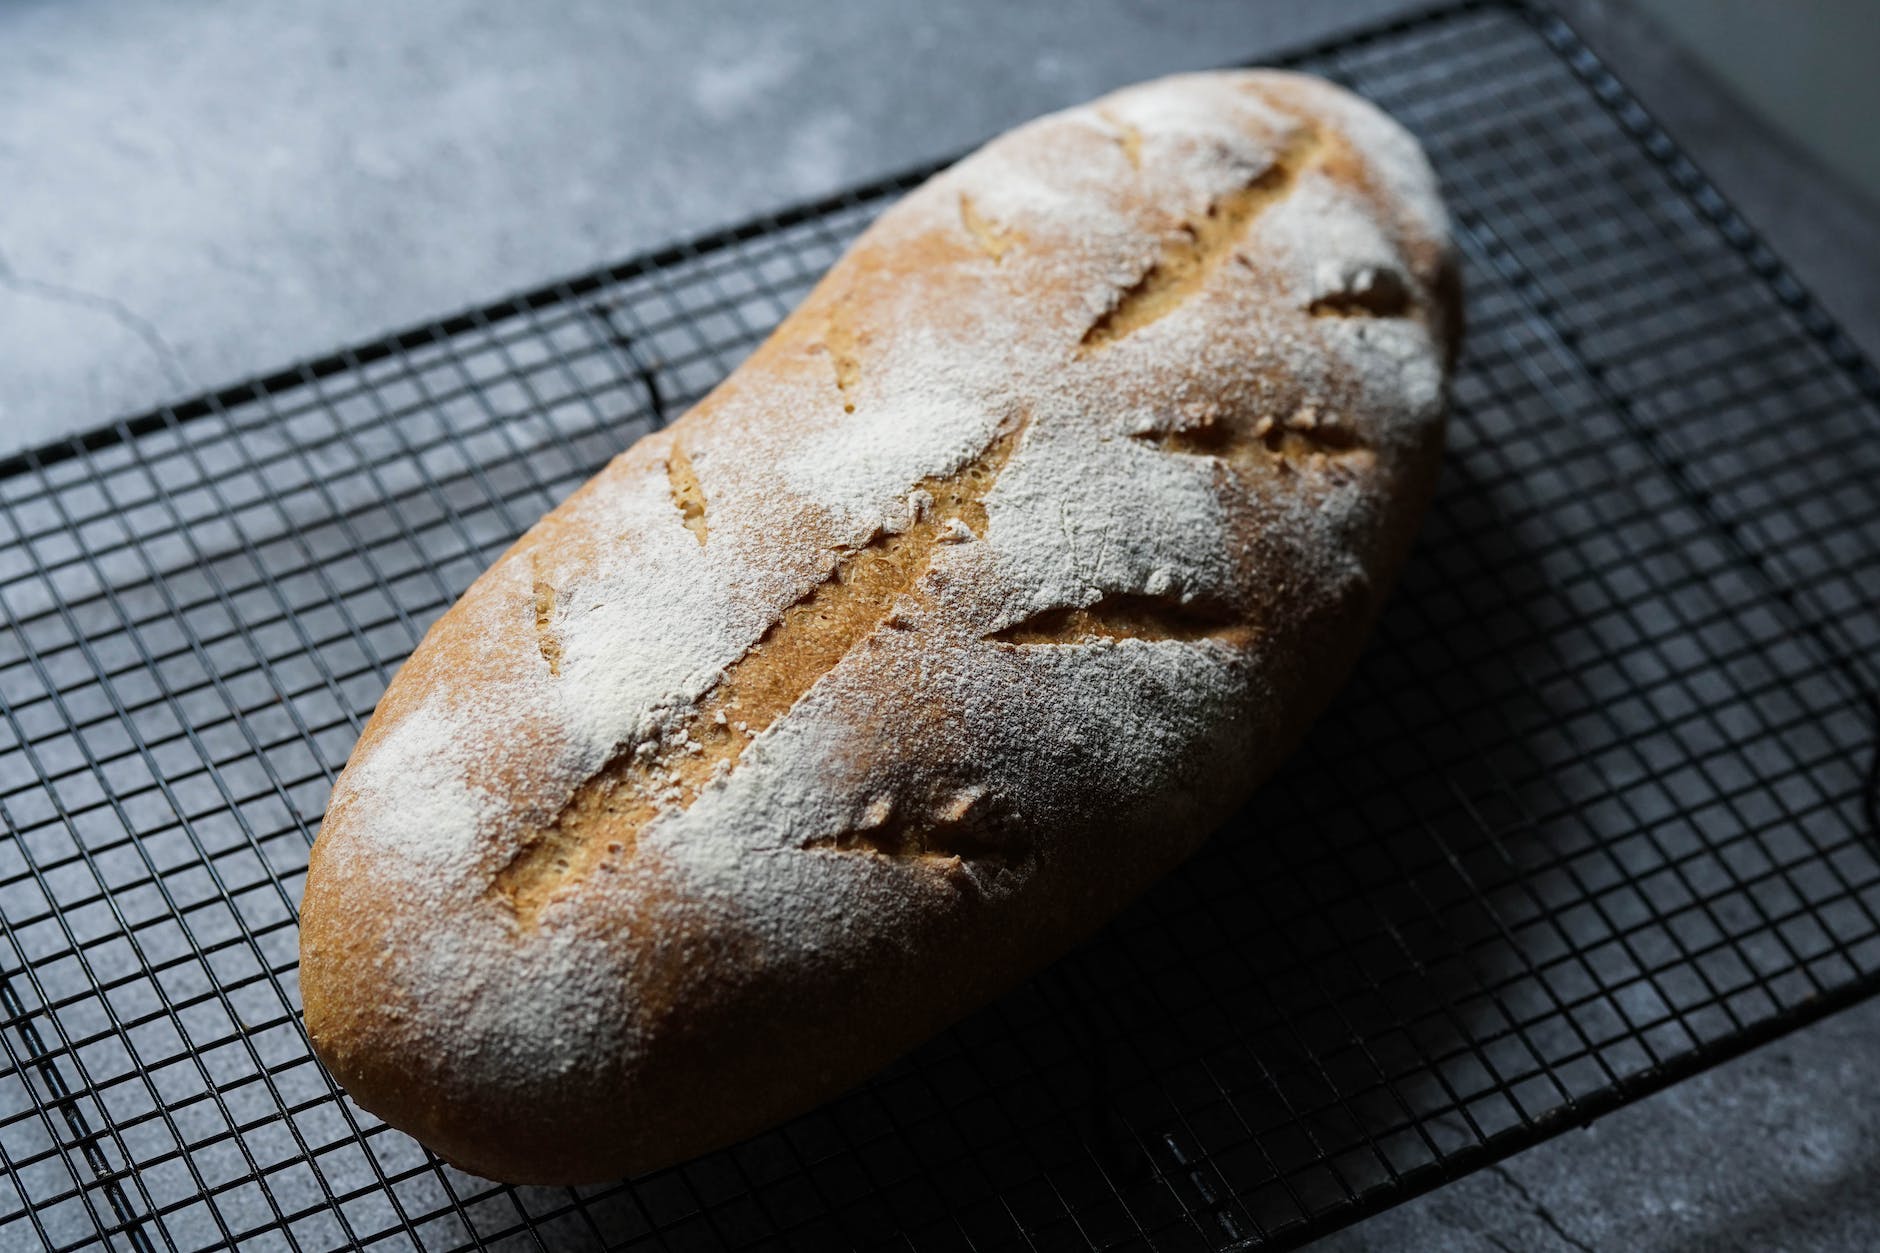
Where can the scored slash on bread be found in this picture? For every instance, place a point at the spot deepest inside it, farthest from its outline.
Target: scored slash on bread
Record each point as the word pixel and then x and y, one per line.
pixel 607 812
pixel 992 582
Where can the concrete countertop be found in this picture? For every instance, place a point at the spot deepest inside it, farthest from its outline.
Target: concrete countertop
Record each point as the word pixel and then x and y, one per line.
pixel 196 191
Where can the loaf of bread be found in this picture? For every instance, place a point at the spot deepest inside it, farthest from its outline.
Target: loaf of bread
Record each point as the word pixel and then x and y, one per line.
pixel 991 583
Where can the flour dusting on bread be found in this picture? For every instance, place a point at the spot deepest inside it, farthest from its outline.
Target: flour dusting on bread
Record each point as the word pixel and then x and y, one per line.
pixel 965 607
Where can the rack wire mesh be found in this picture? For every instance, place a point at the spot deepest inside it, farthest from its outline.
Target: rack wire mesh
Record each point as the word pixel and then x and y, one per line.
pixel 1596 811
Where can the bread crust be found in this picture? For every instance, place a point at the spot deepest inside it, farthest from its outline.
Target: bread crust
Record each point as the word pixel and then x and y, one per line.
pixel 967 607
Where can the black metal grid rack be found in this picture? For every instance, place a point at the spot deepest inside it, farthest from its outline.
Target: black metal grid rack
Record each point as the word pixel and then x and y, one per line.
pixel 1594 813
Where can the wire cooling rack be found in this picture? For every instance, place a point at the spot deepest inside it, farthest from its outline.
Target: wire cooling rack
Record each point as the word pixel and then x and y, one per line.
pixel 1594 813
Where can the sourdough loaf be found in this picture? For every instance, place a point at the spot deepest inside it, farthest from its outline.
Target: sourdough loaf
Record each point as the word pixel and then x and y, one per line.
pixel 966 607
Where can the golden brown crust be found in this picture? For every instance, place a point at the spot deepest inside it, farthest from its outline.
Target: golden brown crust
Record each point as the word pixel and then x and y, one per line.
pixel 986 588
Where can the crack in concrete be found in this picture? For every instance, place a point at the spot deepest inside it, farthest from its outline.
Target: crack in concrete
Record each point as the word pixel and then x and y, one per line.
pixel 1535 1208
pixel 111 307
pixel 1500 1171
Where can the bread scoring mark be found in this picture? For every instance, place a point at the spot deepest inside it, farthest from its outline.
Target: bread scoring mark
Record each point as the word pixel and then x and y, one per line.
pixel 839 341
pixel 1303 433
pixel 1131 616
pixel 546 643
pixel 993 240
pixel 1372 293
pixel 601 822
pixel 954 831
pixel 1128 138
pixel 1198 248
pixel 688 496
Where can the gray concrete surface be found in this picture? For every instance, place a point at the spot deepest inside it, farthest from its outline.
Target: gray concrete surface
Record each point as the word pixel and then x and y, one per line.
pixel 1779 1150
pixel 1806 65
pixel 195 191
